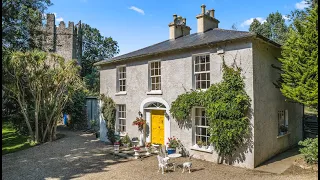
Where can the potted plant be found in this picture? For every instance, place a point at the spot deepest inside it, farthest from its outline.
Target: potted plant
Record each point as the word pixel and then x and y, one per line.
pixel 205 145
pixel 126 141
pixel 136 152
pixel 283 129
pixel 94 124
pixel 148 148
pixel 172 143
pixel 199 143
pixel 116 147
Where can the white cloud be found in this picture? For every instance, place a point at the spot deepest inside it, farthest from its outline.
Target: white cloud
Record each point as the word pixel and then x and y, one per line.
pixel 249 21
pixel 55 14
pixel 137 10
pixel 59 19
pixel 285 17
pixel 301 5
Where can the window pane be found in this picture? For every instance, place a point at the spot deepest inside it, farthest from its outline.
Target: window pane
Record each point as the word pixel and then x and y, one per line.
pixel 203 84
pixel 208 84
pixel 152 72
pixel 203 121
pixel 196 68
pixel 202 59
pixel 157 79
pixel 197 121
pixel 203 76
pixel 203 138
pixel 202 67
pixel 197 60
pixel 208 67
pixel 152 65
pixel 153 87
pixel 207 58
pixel 198 85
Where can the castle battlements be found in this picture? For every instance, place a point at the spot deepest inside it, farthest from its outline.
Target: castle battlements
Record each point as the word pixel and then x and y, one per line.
pixel 63 40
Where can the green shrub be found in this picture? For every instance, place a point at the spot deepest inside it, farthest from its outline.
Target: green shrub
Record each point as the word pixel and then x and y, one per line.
pixel 310 150
pixel 109 115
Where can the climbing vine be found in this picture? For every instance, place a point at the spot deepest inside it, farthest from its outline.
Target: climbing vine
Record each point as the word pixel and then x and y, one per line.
pixel 226 104
pixel 181 107
pixel 109 114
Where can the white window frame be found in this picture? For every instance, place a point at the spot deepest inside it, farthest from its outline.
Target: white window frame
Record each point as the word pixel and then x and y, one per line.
pixel 206 71
pixel 151 76
pixel 119 79
pixel 194 139
pixel 121 119
pixel 283 119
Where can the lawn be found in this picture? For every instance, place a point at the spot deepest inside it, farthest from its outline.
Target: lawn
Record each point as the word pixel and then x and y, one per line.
pixel 12 141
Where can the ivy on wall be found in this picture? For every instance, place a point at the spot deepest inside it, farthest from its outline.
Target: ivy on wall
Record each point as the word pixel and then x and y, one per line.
pixel 109 114
pixel 226 104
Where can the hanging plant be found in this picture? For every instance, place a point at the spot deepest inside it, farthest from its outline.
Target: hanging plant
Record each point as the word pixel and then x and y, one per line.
pixel 140 122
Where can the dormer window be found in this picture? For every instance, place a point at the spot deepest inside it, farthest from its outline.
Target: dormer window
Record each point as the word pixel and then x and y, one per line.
pixel 201 71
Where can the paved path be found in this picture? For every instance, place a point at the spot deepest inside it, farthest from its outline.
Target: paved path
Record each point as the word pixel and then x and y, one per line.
pixel 280 163
pixel 80 156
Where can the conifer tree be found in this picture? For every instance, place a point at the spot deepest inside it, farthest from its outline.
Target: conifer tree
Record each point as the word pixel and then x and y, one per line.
pixel 300 62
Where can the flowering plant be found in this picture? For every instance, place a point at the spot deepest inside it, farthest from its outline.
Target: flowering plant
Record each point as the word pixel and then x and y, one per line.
pixel 136 148
pixel 116 143
pixel 140 122
pixel 173 142
pixel 147 144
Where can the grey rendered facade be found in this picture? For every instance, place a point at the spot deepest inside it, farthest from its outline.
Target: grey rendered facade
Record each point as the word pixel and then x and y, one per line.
pixel 254 54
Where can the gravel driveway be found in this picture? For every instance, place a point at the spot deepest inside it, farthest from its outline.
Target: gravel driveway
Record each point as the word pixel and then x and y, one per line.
pixel 81 156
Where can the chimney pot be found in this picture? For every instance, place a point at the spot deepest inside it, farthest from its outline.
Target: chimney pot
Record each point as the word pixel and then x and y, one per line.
pixel 174 17
pixel 203 8
pixel 212 13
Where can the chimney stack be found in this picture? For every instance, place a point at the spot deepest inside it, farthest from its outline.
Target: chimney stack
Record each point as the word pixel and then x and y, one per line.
pixel 178 27
pixel 206 21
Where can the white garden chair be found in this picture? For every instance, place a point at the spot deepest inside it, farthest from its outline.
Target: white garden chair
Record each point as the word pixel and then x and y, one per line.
pixel 163 163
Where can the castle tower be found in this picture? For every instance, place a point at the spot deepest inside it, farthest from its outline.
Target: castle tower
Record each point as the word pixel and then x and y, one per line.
pixel 65 41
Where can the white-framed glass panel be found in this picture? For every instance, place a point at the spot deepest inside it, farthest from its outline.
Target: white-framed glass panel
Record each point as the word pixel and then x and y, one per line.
pixel 121 78
pixel 155 75
pixel 201 132
pixel 122 117
pixel 201 71
pixel 282 122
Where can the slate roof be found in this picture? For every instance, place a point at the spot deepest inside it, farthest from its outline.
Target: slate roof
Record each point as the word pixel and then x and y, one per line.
pixel 193 40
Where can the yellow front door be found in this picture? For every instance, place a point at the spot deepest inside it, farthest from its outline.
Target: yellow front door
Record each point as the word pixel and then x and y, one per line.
pixel 157 126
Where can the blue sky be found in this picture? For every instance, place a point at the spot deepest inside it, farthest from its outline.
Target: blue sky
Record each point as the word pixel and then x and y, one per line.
pixel 140 23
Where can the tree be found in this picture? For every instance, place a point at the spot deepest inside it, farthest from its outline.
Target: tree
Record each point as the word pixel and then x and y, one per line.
pixel 274 28
pixel 42 84
pixel 21 23
pixel 95 48
pixel 300 61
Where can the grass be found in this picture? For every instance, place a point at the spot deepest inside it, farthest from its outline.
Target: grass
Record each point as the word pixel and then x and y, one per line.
pixel 12 141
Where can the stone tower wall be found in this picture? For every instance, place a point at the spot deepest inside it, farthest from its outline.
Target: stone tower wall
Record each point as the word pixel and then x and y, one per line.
pixel 65 41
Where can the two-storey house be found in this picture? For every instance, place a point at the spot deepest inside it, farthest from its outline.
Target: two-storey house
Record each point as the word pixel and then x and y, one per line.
pixel 150 79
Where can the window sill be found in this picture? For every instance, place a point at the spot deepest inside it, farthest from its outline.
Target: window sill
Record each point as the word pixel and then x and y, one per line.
pixel 122 134
pixel 280 136
pixel 200 90
pixel 121 93
pixel 208 150
pixel 154 92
